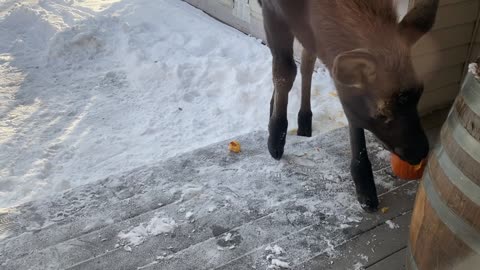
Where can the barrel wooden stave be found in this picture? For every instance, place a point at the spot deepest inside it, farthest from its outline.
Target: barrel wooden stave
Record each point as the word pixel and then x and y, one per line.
pixel 451 194
pixel 468 118
pixel 445 227
pixel 432 243
pixel 457 148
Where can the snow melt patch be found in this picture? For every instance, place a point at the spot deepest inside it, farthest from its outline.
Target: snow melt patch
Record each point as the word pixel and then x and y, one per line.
pixel 275 249
pixel 277 264
pixel 157 225
pixel 384 155
pixel 189 215
pixel 358 266
pixel 386 182
pixel 275 258
pixel 364 257
pixel 392 225
pixel 474 69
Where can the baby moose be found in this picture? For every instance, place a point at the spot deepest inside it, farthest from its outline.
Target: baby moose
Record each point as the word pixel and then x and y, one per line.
pixel 367 52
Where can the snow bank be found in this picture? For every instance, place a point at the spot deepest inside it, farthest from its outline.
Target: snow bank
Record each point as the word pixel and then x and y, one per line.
pixel 91 89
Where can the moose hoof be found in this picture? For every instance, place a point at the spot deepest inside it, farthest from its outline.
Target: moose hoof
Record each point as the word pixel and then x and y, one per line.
pixel 370 205
pixel 304 132
pixel 304 124
pixel 277 137
pixel 275 151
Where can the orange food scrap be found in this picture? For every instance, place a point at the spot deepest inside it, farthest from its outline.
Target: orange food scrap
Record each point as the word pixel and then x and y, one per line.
pixel 234 146
pixel 405 171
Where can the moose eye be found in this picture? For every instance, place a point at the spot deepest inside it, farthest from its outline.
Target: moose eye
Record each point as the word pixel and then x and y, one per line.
pixel 408 97
pixel 384 119
pixel 403 99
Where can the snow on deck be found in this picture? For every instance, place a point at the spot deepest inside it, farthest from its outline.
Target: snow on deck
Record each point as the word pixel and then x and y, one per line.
pixel 212 209
pixel 91 88
pixel 112 116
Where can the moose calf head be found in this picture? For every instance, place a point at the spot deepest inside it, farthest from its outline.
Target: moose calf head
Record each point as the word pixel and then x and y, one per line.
pixel 382 97
pixel 379 89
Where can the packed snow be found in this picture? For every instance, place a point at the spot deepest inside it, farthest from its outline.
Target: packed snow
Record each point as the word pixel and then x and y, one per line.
pixel 275 249
pixel 275 258
pixel 358 266
pixel 474 69
pixel 392 225
pixel 157 225
pixel 93 88
pixel 278 264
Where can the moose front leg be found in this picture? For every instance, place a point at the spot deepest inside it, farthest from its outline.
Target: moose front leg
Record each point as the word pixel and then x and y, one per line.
pixel 361 170
pixel 284 70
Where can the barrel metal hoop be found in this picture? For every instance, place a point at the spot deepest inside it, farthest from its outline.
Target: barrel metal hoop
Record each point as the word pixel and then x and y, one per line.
pixel 468 143
pixel 411 259
pixel 471 95
pixel 454 223
pixel 469 188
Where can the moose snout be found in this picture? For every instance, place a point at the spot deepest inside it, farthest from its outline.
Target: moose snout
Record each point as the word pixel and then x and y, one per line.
pixel 414 153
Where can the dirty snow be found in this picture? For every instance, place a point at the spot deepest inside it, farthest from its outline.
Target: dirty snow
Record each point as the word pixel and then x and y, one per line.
pixel 93 88
pixel 275 249
pixel 358 266
pixel 385 182
pixel 364 257
pixel 384 154
pixel 148 265
pixel 474 69
pixel 392 225
pixel 189 215
pixel 279 264
pixel 157 225
pixel 275 258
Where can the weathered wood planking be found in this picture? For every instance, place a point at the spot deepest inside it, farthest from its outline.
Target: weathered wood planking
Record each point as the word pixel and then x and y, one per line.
pixel 445 228
pixel 395 261
pixel 374 244
pixel 285 207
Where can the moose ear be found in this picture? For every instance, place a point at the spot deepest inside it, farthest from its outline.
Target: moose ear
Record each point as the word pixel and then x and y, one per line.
pixel 357 69
pixel 419 20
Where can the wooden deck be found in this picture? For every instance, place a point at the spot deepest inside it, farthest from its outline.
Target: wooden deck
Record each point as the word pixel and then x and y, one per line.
pixel 230 211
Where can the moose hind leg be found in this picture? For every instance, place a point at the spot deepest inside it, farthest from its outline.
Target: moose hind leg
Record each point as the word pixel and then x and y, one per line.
pixel 305 113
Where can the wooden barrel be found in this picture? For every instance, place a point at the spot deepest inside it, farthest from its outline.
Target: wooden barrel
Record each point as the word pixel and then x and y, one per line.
pixel 445 227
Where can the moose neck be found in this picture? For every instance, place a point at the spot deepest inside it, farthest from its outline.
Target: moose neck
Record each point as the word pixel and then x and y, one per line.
pixel 341 26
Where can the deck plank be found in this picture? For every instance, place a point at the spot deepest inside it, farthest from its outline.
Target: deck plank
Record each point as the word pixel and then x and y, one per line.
pixel 305 203
pixel 309 243
pixel 365 249
pixel 395 261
